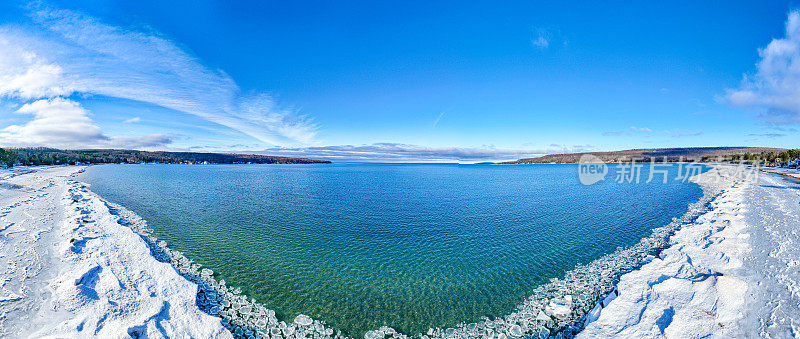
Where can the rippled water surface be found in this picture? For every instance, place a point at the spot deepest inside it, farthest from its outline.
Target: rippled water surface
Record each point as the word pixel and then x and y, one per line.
pixel 405 245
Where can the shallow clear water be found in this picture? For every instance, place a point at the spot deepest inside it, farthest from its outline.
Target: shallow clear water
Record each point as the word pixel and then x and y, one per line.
pixel 409 246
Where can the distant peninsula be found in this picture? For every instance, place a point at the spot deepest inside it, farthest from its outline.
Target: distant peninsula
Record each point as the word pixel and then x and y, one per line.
pixel 654 154
pixel 50 156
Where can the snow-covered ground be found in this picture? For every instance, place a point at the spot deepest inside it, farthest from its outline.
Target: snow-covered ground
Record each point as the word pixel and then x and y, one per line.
pixel 789 172
pixel 69 269
pixel 735 272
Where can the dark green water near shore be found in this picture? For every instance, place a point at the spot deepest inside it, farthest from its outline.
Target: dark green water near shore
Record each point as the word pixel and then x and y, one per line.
pixel 409 246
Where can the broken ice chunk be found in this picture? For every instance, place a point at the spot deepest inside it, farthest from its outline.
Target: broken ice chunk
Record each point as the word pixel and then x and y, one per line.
pixel 543 317
pixel 558 309
pixel 303 320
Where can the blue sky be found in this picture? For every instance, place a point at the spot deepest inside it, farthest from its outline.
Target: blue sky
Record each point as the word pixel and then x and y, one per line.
pixel 398 80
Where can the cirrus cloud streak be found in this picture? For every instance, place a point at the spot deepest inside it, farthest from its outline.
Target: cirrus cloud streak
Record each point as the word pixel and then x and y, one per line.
pixel 64 52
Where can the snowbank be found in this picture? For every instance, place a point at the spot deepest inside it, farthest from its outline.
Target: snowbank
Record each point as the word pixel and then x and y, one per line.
pixel 789 172
pixel 73 271
pixel 716 277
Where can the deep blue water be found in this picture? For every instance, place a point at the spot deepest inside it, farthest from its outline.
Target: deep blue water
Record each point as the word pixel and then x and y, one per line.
pixel 410 246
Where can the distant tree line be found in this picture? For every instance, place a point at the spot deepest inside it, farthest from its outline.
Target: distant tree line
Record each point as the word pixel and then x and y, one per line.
pixel 50 156
pixel 790 156
pixel 8 157
pixel 676 154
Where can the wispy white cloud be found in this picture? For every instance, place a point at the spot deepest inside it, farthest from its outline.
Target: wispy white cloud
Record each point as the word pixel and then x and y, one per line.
pixel 63 123
pixel 767 135
pixel 775 87
pixel 785 129
pixel 545 38
pixel 678 133
pixel 24 74
pixel 542 40
pixel 439 118
pixel 629 131
pixel 394 152
pixel 73 53
pixel 132 120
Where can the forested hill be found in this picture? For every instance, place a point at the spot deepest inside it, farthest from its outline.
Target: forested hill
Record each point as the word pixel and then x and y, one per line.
pixel 656 154
pixel 49 156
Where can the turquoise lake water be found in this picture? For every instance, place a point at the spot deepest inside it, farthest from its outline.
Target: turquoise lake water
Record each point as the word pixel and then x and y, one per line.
pixel 411 246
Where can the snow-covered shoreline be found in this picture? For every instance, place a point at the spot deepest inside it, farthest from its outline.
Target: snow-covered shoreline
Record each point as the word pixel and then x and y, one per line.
pixel 71 270
pixel 734 272
pixel 99 272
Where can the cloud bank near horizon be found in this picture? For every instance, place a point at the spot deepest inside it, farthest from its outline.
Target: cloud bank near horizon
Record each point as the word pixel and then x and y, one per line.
pixel 775 87
pixel 62 123
pixel 70 53
pixel 397 152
